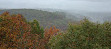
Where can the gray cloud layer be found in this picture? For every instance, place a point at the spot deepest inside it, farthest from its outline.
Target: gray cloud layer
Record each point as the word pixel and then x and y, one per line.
pixel 86 5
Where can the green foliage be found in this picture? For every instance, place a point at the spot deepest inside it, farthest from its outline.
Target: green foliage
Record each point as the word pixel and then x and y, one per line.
pixel 46 19
pixel 86 35
pixel 16 33
pixel 1 19
pixel 36 29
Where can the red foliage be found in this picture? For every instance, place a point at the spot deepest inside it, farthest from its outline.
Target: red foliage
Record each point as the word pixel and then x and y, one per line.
pixel 50 32
pixel 15 33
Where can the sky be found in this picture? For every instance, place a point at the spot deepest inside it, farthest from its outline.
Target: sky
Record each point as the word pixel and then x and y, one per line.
pixel 83 5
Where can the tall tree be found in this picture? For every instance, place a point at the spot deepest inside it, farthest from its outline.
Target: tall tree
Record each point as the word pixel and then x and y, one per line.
pixel 36 29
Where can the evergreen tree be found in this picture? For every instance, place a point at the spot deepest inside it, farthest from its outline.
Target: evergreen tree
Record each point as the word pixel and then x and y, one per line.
pixel 36 29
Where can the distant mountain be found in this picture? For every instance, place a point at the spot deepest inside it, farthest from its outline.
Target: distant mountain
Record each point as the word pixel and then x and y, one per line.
pixel 45 18
pixel 92 16
pixel 98 16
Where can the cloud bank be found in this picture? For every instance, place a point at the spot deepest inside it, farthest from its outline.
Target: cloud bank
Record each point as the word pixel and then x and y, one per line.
pixel 86 5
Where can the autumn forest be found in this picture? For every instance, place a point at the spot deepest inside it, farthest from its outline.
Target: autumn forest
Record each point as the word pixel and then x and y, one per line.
pixel 18 33
pixel 55 24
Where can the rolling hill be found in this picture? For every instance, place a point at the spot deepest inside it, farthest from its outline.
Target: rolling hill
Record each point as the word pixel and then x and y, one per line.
pixel 45 18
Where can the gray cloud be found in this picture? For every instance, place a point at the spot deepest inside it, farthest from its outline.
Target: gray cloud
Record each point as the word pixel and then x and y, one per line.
pixel 99 7
pixel 86 5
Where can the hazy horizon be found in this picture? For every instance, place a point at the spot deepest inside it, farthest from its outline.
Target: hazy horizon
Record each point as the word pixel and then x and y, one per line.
pixel 96 10
pixel 80 5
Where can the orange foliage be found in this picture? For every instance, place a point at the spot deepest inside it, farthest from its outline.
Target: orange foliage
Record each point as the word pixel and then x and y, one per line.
pixel 47 35
pixel 15 32
pixel 50 32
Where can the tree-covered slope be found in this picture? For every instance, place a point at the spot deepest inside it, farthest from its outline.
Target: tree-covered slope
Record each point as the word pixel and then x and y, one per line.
pixel 86 35
pixel 45 18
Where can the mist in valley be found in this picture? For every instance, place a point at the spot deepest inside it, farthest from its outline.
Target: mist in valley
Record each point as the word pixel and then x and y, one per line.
pixel 94 10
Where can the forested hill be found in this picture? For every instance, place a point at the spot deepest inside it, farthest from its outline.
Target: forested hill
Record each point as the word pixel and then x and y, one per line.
pixel 36 14
pixel 45 18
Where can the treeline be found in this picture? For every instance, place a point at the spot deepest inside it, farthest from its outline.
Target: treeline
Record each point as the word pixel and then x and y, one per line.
pixel 86 35
pixel 44 18
pixel 17 33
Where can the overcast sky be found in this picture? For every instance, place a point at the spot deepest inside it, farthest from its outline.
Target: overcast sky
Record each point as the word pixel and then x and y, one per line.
pixel 86 5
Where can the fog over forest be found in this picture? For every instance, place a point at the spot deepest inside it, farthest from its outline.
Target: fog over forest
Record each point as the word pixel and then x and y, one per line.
pixel 95 10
